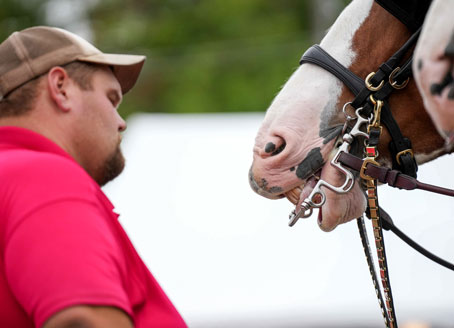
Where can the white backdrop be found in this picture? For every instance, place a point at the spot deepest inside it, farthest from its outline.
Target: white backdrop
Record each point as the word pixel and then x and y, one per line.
pixel 226 257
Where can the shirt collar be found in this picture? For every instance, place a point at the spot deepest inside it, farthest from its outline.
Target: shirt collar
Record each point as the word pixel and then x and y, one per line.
pixel 17 137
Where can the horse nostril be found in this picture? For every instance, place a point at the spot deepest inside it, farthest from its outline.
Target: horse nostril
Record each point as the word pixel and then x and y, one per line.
pixel 270 147
pixel 274 148
pixel 278 150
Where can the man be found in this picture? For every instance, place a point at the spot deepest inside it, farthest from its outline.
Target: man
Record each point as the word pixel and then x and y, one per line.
pixel 65 259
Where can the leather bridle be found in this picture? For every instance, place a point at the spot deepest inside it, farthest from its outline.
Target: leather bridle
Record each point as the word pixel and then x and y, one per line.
pixel 372 109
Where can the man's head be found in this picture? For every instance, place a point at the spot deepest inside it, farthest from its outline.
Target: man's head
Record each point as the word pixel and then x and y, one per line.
pixel 59 85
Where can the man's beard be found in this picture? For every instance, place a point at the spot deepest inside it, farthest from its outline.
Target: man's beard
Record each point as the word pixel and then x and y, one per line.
pixel 112 167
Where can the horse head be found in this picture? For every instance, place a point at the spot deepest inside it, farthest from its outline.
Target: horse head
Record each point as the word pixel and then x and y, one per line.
pixel 300 131
pixel 434 66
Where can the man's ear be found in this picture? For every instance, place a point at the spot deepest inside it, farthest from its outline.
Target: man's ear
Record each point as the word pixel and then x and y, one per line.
pixel 59 85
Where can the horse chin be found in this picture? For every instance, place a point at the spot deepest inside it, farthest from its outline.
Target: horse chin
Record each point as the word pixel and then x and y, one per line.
pixel 338 208
pixel 272 193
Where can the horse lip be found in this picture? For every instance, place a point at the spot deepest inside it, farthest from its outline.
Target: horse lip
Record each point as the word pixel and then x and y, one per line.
pixel 259 190
pixel 275 192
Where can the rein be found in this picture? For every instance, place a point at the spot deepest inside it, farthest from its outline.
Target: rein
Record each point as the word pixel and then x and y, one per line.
pixel 371 112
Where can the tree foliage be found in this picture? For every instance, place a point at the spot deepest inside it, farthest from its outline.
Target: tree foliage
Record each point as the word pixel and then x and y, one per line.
pixel 203 55
pixel 16 15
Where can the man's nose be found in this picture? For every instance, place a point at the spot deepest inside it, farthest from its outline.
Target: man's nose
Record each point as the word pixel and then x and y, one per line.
pixel 122 126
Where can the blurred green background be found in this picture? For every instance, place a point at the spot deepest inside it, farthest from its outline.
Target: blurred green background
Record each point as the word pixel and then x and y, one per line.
pixel 203 55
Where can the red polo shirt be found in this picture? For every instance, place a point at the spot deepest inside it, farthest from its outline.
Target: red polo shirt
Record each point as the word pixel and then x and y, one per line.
pixel 61 243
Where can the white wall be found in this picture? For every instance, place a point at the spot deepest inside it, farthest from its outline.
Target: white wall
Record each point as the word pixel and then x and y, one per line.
pixel 226 256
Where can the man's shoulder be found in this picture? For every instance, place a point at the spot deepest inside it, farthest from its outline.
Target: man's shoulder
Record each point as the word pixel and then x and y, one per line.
pixel 33 181
pixel 28 168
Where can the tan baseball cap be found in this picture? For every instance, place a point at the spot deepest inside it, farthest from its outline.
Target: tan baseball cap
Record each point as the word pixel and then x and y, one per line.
pixel 29 53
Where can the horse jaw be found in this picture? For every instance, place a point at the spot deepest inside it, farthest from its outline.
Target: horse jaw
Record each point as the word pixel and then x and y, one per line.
pixel 300 127
pixel 432 63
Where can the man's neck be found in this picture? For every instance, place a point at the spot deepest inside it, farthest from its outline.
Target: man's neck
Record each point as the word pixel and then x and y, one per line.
pixel 44 126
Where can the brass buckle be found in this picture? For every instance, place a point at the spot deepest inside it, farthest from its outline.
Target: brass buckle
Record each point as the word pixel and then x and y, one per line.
pixel 403 152
pixel 378 104
pixel 362 173
pixel 369 85
pixel 394 83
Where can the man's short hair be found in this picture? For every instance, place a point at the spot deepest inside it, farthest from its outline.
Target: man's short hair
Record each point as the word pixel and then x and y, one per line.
pixel 20 101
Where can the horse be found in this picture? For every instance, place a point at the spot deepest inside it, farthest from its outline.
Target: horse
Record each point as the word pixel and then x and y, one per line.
pixel 307 143
pixel 434 66
pixel 300 132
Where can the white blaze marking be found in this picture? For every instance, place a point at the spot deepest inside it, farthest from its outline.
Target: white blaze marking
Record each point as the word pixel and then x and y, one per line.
pixel 310 89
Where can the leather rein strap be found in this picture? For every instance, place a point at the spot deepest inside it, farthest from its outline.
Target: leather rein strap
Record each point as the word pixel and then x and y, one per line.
pixel 399 180
pixel 391 177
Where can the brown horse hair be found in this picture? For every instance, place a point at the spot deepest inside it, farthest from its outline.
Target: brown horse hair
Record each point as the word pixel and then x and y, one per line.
pixel 373 46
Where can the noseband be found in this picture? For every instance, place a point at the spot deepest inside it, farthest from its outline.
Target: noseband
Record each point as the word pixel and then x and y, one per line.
pixel 372 110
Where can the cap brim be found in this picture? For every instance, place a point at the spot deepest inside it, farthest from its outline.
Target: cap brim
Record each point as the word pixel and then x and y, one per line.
pixel 125 67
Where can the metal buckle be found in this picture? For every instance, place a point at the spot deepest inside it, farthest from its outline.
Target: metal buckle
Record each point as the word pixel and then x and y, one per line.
pixel 403 152
pixel 344 110
pixel 394 83
pixel 378 104
pixel 370 86
pixel 362 173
